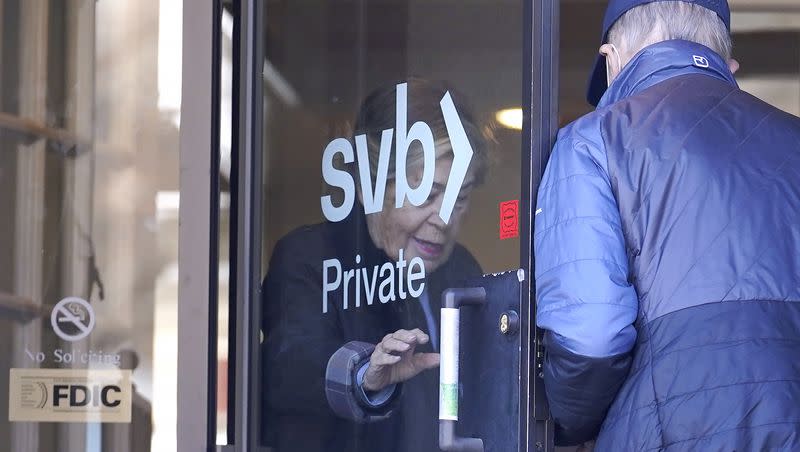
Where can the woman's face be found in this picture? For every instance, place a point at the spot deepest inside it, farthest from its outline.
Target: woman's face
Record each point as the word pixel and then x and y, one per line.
pixel 418 230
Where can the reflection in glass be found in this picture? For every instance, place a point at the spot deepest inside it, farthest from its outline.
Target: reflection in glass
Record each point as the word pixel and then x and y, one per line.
pixel 383 176
pixel 363 280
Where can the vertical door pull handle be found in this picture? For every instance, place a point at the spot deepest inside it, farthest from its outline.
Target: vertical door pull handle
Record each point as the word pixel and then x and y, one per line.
pixel 452 301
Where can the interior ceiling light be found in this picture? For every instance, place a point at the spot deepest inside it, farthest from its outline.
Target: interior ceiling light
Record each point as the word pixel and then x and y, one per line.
pixel 510 118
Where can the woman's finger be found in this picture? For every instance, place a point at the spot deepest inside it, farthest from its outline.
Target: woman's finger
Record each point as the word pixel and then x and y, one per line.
pixel 393 346
pixel 421 337
pixel 383 359
pixel 415 336
pixel 404 335
pixel 426 360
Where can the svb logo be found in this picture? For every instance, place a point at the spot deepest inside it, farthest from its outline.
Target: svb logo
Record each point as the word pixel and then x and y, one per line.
pixel 373 195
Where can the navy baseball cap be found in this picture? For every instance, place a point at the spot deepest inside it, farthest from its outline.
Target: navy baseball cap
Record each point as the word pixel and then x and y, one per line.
pixel 616 8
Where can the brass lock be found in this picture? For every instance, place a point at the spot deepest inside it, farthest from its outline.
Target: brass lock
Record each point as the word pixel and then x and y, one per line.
pixel 509 322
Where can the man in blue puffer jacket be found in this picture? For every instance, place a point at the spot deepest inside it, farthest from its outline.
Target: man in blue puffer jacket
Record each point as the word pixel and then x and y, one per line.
pixel 667 243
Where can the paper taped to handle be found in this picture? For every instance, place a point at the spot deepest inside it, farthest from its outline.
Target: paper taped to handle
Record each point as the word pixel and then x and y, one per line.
pixel 448 367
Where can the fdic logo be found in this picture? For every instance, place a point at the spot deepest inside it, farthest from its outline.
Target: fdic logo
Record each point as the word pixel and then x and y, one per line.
pixel 70 395
pixel 419 131
pixel 82 395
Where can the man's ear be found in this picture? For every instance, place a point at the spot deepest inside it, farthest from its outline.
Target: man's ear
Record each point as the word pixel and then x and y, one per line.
pixel 733 65
pixel 613 63
pixel 605 50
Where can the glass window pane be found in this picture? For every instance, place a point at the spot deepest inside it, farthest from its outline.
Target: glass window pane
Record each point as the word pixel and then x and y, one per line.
pixel 89 117
pixel 392 171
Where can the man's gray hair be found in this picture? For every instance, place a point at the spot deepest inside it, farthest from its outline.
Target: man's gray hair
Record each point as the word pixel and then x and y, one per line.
pixel 665 20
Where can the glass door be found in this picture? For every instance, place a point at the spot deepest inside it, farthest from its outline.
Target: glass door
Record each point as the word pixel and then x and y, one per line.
pixel 383 160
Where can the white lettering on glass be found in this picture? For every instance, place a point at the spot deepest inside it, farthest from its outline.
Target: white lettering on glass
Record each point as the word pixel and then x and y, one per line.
pixel 373 194
pixel 394 278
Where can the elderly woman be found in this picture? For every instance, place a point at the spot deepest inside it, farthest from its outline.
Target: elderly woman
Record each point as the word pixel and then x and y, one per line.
pixel 393 337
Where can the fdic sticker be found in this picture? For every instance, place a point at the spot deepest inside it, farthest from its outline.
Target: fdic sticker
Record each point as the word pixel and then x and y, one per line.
pixel 70 395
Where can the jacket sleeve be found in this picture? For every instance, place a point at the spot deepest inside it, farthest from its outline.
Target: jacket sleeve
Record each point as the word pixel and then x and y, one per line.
pixel 585 303
pixel 304 358
pixel 344 380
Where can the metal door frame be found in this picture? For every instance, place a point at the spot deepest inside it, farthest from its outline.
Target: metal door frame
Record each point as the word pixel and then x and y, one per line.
pixel 199 219
pixel 540 125
pixel 246 150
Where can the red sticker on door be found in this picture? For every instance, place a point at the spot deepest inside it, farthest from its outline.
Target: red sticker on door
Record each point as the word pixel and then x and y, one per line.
pixel 509 219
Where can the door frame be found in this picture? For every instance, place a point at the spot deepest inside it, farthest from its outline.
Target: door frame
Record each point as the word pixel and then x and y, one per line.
pixel 539 129
pixel 199 220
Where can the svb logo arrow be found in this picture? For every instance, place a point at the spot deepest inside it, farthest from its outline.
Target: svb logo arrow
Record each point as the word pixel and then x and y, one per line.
pixel 462 156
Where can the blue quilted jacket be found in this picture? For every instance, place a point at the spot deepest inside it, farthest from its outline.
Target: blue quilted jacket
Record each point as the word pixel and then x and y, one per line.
pixel 667 245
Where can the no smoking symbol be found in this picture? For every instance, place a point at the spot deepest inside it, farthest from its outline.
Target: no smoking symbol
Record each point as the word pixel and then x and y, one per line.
pixel 72 318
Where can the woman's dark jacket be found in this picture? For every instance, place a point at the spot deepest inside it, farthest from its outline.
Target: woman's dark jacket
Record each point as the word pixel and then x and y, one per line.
pixel 300 339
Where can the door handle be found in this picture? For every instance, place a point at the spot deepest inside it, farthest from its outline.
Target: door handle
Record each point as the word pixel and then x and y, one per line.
pixel 452 301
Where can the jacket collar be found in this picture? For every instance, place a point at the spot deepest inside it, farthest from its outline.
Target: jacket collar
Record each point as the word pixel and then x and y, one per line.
pixel 662 61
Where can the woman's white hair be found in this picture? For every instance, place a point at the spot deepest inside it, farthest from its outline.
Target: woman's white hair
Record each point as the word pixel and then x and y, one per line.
pixel 665 20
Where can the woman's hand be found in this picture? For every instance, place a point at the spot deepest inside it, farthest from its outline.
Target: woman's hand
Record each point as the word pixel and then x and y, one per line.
pixel 394 360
